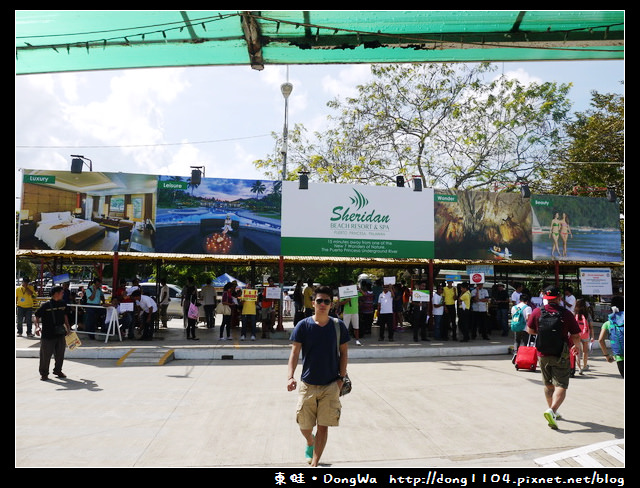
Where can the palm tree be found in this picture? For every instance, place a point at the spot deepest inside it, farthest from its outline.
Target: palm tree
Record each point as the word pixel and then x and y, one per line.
pixel 258 188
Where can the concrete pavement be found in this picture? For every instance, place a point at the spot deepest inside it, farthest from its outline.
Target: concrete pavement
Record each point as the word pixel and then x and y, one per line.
pixel 413 405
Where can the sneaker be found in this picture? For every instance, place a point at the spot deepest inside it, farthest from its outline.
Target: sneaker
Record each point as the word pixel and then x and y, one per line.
pixel 358 343
pixel 551 418
pixel 221 338
pixel 242 337
pixel 308 453
pixel 253 338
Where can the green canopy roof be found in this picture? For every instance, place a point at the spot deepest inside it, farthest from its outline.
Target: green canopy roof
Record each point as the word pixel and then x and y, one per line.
pixel 67 40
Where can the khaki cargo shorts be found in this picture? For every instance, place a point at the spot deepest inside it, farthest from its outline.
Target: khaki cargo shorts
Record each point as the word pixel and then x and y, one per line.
pixel 556 370
pixel 318 404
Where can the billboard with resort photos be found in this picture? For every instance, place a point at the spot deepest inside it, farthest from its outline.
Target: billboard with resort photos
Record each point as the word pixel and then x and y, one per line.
pixel 101 211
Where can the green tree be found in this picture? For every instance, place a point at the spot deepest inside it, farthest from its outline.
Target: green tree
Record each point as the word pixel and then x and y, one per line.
pixel 442 122
pixel 593 151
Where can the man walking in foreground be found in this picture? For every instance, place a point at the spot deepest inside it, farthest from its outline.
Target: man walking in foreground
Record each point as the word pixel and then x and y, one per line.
pixel 557 333
pixel 324 365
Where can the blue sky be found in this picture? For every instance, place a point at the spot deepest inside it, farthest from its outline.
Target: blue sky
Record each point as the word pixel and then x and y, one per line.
pixel 165 120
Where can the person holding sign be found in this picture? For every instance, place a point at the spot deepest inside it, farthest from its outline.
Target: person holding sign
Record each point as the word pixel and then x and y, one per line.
pixel 420 309
pixel 268 311
pixel 249 298
pixel 350 309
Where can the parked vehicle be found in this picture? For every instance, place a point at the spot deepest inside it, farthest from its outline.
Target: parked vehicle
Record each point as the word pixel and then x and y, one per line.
pixel 175 294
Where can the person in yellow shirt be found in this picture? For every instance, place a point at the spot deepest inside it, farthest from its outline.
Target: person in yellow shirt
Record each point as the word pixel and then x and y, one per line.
pixel 249 298
pixel 464 311
pixel 24 306
pixel 449 297
pixel 307 296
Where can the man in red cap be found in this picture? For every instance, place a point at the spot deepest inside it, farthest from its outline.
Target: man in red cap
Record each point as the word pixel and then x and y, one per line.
pixel 557 332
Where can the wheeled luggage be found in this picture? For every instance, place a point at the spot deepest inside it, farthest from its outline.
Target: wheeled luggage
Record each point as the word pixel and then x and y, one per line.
pixel 527 356
pixel 573 359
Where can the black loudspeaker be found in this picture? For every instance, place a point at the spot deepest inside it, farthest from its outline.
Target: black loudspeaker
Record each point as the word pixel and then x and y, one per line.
pixel 76 165
pixel 611 195
pixel 417 184
pixel 524 191
pixel 304 182
pixel 195 177
pixel 400 180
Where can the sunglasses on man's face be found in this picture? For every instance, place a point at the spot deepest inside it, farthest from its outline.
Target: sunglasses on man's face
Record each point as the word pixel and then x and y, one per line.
pixel 326 301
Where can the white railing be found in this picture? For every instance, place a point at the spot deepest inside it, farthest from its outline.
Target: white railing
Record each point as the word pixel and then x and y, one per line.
pixel 113 328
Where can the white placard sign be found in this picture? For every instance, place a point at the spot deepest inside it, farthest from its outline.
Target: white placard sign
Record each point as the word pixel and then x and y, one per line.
pixel 420 296
pixel 596 281
pixel 389 280
pixel 348 291
pixel 272 292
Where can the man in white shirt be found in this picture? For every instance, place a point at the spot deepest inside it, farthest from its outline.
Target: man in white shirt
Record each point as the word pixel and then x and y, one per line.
pixel 515 296
pixel 438 312
pixel 385 312
pixel 149 311
pixel 163 302
pixel 479 301
pixel 569 299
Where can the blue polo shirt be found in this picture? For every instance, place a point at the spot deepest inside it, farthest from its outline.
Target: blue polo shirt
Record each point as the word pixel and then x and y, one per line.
pixel 320 362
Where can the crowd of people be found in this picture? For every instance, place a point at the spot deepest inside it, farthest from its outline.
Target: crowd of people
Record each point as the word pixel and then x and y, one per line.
pixel 560 323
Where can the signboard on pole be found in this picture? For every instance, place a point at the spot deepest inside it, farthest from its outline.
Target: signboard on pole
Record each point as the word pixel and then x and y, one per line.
pixel 476 278
pixel 596 281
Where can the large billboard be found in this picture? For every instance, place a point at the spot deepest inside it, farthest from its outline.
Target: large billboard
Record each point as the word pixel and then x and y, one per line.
pixel 482 225
pixel 101 211
pixel 218 216
pixel 356 221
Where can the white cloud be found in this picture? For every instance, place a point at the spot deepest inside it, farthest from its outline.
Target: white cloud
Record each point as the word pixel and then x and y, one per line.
pixel 522 76
pixel 345 83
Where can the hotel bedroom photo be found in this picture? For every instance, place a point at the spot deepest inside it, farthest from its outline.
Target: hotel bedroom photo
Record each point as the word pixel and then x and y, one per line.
pixel 90 211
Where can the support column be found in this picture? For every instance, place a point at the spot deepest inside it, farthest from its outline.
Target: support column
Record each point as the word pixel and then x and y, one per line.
pixel 280 327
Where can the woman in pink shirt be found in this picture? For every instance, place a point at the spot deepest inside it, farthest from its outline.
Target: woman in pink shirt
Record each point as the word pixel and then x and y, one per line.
pixel 586 333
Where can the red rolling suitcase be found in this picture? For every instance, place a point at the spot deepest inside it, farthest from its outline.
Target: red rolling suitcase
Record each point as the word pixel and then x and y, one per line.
pixel 573 359
pixel 527 356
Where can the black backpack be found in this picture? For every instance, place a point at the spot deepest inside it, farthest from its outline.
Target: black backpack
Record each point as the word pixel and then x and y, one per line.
pixel 550 340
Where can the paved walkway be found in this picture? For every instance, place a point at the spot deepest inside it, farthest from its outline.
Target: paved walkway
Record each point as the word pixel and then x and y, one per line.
pixel 425 404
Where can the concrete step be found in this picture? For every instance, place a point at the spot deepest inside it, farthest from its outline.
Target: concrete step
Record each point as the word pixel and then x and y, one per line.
pixel 147 356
